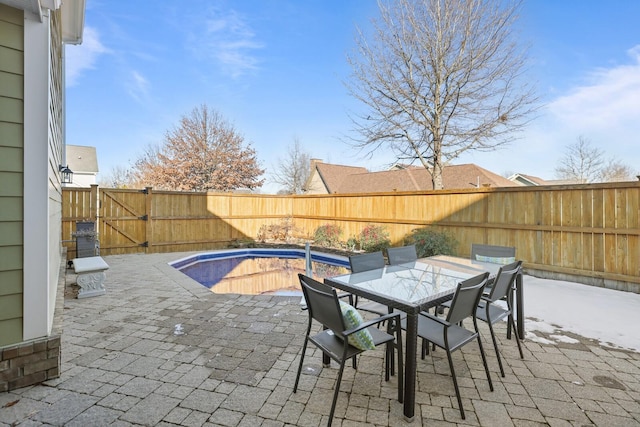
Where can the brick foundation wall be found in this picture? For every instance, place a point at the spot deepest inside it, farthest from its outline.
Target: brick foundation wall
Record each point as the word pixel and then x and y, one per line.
pixel 29 363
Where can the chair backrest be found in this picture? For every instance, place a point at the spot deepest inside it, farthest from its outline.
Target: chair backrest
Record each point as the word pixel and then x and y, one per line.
pixel 402 254
pixel 504 281
pixel 482 252
pixel 466 298
pixel 367 261
pixel 322 303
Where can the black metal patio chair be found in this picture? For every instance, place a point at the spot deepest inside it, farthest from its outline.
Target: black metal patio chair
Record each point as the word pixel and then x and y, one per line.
pixel 491 312
pixel 449 335
pixel 366 262
pixel 342 338
pixel 492 253
pixel 402 254
pixel 496 255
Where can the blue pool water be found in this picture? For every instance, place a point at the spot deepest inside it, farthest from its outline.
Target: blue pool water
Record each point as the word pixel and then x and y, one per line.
pixel 258 270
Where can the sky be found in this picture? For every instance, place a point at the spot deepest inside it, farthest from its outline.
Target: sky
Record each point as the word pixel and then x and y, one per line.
pixel 276 71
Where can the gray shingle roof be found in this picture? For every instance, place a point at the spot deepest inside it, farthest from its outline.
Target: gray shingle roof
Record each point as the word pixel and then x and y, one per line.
pixel 349 179
pixel 82 159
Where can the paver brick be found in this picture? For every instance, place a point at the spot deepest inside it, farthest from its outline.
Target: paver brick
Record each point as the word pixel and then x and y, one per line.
pixel 492 413
pixel 203 401
pixel 600 419
pixel 225 417
pixel 568 411
pixel 150 410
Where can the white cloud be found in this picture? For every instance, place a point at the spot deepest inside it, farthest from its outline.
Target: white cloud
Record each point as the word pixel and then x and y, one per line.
pixel 138 86
pixel 79 58
pixel 605 110
pixel 229 41
pixel 610 100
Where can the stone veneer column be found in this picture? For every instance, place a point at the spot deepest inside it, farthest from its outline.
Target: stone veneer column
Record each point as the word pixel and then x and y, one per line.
pixel 29 363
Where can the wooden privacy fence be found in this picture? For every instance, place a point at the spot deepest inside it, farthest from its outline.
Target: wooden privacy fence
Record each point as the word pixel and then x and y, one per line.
pixel 588 230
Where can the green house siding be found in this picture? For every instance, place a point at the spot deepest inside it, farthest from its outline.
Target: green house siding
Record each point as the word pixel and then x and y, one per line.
pixel 11 174
pixel 11 282
pixel 11 161
pixel 11 135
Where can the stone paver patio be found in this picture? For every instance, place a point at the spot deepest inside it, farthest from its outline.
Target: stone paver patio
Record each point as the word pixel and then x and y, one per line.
pixel 160 350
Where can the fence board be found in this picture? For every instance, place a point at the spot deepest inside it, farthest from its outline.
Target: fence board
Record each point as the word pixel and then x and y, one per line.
pixel 593 229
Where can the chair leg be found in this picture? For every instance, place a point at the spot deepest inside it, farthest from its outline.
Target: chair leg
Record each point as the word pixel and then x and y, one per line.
pixel 336 392
pixel 390 363
pixel 455 383
pixel 438 309
pixel 304 349
pixel 387 360
pixel 484 362
pixel 393 361
pixel 495 347
pixel 509 299
pixel 515 331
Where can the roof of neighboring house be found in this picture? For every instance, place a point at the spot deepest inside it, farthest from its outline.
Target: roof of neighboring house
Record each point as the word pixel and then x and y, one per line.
pixel 393 180
pixel 334 175
pixel 523 179
pixel 82 159
pixel 349 179
pixel 401 166
pixel 470 176
pixel 563 182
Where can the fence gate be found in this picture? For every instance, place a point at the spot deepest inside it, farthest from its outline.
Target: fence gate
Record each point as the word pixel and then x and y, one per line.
pixel 123 221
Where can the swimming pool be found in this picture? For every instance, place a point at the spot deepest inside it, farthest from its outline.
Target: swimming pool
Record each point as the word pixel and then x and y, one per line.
pixel 258 270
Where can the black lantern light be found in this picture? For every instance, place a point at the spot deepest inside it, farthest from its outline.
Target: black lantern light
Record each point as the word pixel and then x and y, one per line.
pixel 66 174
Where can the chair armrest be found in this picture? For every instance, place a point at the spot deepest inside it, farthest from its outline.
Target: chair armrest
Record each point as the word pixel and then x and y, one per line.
pixel 372 322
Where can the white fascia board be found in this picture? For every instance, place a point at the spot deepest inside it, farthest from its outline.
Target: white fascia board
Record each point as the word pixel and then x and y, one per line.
pixel 73 12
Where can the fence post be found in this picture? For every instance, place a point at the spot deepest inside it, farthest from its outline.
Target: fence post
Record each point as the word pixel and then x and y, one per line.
pixel 94 205
pixel 148 226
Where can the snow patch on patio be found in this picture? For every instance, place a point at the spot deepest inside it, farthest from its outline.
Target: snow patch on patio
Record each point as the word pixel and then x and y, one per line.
pixel 606 315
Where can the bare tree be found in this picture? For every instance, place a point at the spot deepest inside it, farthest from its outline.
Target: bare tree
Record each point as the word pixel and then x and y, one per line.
pixel 617 171
pixel 118 177
pixel 439 78
pixel 204 153
pixel 582 162
pixel 293 170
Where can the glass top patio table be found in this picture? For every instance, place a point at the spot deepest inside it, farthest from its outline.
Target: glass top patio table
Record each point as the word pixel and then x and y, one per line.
pixel 412 287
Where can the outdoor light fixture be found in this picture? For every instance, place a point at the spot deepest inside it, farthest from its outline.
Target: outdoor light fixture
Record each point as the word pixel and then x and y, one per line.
pixel 66 174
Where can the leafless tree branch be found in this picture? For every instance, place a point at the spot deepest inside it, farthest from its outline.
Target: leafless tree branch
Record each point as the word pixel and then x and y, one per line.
pixel 293 170
pixel 439 78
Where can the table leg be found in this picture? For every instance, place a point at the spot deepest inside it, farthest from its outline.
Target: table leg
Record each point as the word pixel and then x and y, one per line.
pixel 410 366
